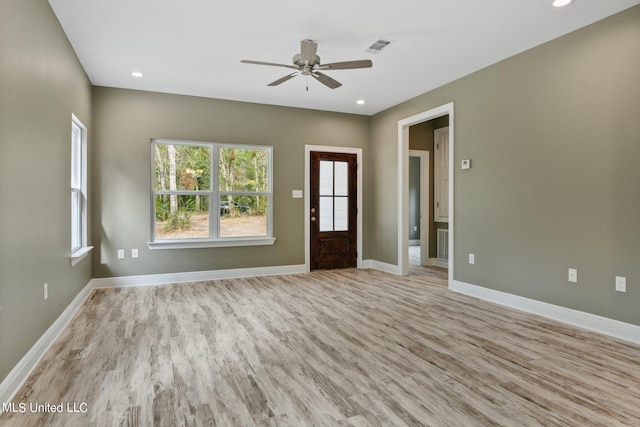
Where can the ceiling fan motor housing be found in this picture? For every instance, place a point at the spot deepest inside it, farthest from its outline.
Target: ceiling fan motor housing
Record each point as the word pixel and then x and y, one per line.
pixel 297 59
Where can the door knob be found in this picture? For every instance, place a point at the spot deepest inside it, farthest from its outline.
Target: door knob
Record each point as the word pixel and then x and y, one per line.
pixel 313 210
pixel 313 218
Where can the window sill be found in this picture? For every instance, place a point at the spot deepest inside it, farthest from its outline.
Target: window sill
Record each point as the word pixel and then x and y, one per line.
pixel 221 243
pixel 80 254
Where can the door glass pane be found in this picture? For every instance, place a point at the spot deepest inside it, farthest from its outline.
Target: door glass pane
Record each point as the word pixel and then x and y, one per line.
pixel 326 213
pixel 341 213
pixel 326 178
pixel 341 179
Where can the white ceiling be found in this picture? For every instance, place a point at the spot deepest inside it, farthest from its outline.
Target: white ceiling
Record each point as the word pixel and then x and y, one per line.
pixel 194 47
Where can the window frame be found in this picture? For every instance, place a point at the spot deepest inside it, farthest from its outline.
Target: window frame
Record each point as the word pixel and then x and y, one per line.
pixel 78 171
pixel 214 193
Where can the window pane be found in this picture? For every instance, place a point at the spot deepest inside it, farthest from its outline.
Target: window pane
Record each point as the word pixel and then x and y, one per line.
pixel 244 169
pixel 326 178
pixel 182 167
pixel 182 216
pixel 76 156
pixel 243 216
pixel 341 179
pixel 326 213
pixel 341 214
pixel 76 215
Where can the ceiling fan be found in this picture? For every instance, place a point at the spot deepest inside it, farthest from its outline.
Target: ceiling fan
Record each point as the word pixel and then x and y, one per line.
pixel 307 63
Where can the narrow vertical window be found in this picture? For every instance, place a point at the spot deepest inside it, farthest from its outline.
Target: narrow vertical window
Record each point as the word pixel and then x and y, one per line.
pixel 79 247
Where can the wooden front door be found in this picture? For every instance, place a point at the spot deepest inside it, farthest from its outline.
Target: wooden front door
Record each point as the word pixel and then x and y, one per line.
pixel 333 213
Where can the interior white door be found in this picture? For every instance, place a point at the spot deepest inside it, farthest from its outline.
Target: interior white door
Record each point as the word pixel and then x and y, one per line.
pixel 441 175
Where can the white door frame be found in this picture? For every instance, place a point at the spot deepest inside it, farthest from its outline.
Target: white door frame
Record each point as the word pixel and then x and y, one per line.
pixel 307 199
pixel 403 183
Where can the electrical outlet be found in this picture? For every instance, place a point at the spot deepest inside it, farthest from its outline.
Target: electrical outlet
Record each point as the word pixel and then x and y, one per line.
pixel 46 291
pixel 415 228
pixel 134 253
pixel 120 253
pixel 573 275
pixel 472 259
pixel 621 284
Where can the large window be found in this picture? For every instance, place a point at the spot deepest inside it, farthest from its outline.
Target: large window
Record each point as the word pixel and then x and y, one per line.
pixel 209 194
pixel 79 248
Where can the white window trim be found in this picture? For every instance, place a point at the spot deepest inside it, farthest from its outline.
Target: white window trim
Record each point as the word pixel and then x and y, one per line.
pixel 214 193
pixel 81 252
pixel 214 243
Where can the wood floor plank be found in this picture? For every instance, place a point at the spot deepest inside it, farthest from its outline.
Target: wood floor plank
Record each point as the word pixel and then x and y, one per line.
pixel 328 348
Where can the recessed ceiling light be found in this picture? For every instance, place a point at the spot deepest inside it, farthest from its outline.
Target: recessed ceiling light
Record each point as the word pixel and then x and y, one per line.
pixel 560 3
pixel 361 102
pixel 137 74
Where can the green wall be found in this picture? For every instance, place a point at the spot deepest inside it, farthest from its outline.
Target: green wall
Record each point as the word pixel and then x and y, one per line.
pixel 553 138
pixel 41 84
pixel 126 120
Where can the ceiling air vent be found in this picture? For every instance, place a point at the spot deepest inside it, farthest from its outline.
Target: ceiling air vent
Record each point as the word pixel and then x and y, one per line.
pixel 378 46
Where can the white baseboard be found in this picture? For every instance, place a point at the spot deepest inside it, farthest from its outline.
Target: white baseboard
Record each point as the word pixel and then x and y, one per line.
pixel 194 276
pixel 382 266
pixel 437 263
pixel 19 374
pixel 581 319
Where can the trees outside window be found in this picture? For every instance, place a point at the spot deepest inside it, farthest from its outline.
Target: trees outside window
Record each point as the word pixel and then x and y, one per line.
pixel 210 191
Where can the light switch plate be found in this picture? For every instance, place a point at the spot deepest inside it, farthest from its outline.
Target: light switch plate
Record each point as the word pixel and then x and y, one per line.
pixel 296 194
pixel 466 164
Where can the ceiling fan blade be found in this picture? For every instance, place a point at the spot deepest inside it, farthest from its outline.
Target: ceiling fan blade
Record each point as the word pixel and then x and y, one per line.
pixel 326 80
pixel 308 50
pixel 272 64
pixel 283 79
pixel 347 65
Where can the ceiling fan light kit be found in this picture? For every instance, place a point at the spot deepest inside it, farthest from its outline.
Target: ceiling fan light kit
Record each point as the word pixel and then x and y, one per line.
pixel 307 63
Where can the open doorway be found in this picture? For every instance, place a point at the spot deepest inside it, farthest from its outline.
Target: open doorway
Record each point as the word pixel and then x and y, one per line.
pixel 431 249
pixel 420 182
pixel 428 190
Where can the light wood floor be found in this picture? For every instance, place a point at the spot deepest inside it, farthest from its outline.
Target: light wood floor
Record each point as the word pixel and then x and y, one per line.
pixel 335 348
